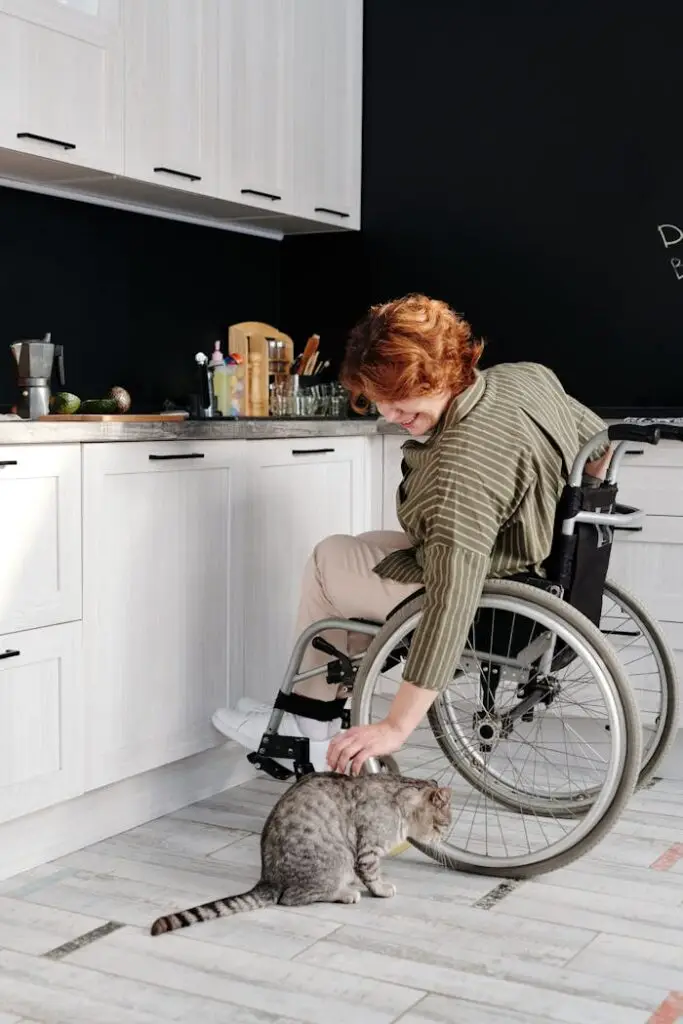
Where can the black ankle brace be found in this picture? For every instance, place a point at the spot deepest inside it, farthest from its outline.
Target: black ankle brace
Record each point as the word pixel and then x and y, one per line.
pixel 309 707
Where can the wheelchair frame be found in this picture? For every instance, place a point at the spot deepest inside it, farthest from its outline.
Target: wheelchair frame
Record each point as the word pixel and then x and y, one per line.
pixel 341 670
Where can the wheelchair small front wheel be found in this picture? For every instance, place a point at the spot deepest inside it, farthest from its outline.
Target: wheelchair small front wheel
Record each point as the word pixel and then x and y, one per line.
pixel 547 782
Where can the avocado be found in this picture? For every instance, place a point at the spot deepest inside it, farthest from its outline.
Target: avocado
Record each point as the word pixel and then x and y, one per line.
pixel 121 397
pixel 98 406
pixel 63 402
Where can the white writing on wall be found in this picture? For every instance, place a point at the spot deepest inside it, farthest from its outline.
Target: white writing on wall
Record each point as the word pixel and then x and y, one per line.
pixel 671 234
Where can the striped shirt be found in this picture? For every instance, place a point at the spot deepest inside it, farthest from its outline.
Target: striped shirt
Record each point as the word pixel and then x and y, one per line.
pixel 478 499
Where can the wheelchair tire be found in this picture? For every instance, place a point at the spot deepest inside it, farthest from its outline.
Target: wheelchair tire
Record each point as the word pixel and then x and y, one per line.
pixel 595 818
pixel 667 725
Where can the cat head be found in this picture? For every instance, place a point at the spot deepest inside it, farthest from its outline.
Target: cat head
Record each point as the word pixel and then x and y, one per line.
pixel 428 810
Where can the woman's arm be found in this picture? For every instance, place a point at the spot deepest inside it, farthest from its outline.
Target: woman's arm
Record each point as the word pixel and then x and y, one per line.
pixel 356 745
pixel 461 531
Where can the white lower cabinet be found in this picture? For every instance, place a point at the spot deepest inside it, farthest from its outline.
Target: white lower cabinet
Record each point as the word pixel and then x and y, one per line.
pixel 41 719
pixel 162 601
pixel 40 535
pixel 300 491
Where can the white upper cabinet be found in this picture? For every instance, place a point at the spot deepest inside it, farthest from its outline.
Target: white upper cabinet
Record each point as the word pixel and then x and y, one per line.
pixel 61 88
pixel 243 110
pixel 171 65
pixel 254 108
pixel 327 71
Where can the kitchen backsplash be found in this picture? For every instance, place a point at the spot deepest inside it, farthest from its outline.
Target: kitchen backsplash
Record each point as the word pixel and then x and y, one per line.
pixel 132 298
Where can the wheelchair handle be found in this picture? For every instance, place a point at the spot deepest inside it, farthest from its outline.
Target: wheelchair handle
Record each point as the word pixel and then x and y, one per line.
pixel 618 434
pixel 645 433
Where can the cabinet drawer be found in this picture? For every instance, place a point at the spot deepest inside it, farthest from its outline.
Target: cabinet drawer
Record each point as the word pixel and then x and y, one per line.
pixel 651 479
pixel 41 736
pixel 40 535
pixel 650 564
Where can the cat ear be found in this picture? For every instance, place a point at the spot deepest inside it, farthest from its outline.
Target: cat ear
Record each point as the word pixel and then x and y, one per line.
pixel 441 797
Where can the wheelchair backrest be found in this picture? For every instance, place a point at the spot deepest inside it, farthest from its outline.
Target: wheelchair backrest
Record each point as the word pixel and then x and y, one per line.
pixel 579 562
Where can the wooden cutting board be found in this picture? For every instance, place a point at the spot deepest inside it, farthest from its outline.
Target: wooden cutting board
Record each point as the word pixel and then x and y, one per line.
pixel 142 417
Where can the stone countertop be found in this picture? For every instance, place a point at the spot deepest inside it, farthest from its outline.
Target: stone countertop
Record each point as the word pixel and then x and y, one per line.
pixel 32 432
pixel 79 432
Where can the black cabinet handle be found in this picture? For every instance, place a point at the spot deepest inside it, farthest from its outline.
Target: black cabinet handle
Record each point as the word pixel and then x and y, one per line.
pixel 9 654
pixel 44 138
pixel 178 174
pixel 8 462
pixel 312 451
pixel 181 455
pixel 263 195
pixel 334 213
pixel 636 451
pixel 629 529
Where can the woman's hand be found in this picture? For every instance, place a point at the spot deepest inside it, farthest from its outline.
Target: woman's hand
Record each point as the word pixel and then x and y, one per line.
pixel 354 746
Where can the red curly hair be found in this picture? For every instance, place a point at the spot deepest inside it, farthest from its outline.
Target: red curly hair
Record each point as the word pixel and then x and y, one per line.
pixel 410 347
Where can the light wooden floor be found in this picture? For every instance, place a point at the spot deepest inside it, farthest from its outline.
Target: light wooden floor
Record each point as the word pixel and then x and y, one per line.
pixel 600 941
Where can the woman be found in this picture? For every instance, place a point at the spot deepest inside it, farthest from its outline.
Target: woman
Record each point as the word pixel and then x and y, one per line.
pixel 477 499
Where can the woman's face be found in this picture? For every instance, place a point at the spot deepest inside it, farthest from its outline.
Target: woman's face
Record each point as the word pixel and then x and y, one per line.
pixel 416 415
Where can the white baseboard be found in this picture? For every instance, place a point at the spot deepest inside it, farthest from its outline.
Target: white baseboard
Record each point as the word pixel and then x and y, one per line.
pixel 28 842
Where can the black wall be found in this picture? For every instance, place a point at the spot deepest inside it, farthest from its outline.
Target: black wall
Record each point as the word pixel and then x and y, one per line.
pixel 131 297
pixel 518 159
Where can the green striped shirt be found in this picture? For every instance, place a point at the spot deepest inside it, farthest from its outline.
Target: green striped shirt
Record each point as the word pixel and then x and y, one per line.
pixel 478 500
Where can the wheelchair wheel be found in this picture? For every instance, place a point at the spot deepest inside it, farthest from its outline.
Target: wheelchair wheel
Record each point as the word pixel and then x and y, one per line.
pixel 647 659
pixel 534 787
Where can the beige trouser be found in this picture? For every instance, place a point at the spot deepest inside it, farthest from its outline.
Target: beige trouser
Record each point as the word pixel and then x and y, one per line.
pixel 338 582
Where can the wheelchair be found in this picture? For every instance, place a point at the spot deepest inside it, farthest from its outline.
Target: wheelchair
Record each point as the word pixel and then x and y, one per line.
pixel 565 699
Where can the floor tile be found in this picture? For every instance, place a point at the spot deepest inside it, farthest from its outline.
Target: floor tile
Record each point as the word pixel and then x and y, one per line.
pixel 57 993
pixel 188 836
pixel 549 1000
pixel 633 959
pixel 30 928
pixel 440 1010
pixel 445 924
pixel 311 994
pixel 655 922
pixel 515 962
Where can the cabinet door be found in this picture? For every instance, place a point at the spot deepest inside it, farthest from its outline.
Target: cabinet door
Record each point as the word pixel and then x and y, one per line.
pixel 41 724
pixel 159 581
pixel 254 102
pixel 171 92
pixel 327 71
pixel 391 477
pixel 40 535
pixel 299 493
pixel 61 88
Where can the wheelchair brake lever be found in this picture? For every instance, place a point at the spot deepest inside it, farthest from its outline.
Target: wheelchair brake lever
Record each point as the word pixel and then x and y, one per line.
pixel 348 673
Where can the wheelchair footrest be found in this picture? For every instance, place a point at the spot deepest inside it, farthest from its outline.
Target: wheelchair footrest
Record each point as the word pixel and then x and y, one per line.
pixel 270 767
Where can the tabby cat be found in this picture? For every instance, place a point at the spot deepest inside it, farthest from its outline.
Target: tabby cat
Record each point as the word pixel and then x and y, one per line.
pixel 326 836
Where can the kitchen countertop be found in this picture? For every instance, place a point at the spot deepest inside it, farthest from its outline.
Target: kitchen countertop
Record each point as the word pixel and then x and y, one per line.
pixel 79 432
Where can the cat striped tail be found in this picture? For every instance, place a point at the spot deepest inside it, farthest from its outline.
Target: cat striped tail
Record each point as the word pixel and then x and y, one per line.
pixel 262 895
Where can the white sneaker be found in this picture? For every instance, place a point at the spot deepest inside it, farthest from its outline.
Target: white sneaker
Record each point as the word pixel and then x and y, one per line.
pixel 249 720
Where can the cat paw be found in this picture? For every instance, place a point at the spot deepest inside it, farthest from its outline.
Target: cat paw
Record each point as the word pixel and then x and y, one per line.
pixel 349 896
pixel 383 890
